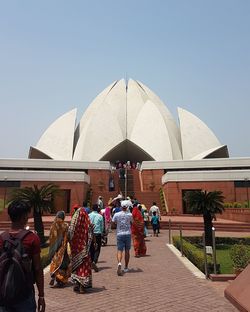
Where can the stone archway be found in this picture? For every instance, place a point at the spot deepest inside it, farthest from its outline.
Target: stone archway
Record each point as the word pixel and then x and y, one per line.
pixel 127 150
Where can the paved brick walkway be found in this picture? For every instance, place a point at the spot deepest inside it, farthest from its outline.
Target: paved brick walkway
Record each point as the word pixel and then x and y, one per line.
pixel 157 282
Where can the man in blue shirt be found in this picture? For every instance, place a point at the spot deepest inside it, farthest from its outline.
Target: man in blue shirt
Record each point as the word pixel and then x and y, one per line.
pixel 97 220
pixel 85 206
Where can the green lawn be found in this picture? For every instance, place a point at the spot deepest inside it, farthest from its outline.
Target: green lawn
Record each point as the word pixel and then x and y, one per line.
pixel 44 251
pixel 223 258
pixel 223 247
pixel 44 256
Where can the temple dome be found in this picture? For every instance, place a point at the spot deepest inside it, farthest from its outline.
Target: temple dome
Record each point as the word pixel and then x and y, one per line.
pixel 127 121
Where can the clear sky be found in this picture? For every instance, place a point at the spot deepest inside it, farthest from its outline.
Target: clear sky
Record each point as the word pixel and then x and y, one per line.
pixel 57 55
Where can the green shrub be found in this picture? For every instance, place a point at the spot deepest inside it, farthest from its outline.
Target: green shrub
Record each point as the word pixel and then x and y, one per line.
pixel 197 240
pixel 223 246
pixel 45 257
pixel 240 256
pixel 1 205
pixel 193 253
pixel 236 205
pixel 246 204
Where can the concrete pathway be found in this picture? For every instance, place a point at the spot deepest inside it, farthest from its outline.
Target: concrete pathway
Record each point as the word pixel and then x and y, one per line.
pixel 158 282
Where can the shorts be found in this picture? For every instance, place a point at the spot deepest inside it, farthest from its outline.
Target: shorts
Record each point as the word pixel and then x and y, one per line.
pixel 123 242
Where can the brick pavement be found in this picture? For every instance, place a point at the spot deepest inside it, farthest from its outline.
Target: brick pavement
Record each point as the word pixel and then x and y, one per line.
pixel 157 282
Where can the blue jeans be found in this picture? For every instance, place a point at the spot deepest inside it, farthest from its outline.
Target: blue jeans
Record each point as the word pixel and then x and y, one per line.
pixel 26 305
pixel 123 242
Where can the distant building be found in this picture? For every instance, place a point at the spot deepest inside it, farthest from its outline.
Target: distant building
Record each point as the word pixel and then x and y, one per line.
pixel 128 136
pixel 128 122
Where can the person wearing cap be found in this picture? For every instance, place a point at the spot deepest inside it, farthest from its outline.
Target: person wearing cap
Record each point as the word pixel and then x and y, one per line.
pixel 117 204
pixel 123 221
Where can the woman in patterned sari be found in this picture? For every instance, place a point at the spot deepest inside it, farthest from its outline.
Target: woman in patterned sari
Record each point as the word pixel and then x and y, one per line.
pixel 60 268
pixel 138 232
pixel 81 235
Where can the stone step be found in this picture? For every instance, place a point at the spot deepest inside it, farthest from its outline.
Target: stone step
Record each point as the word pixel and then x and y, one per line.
pixel 175 225
pixel 199 226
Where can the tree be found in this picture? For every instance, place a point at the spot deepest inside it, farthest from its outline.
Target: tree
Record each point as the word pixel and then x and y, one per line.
pixel 207 204
pixel 40 199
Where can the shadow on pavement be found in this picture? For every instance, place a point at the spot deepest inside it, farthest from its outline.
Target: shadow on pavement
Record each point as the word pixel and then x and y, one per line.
pixel 102 261
pixel 137 270
pixel 104 268
pixel 94 290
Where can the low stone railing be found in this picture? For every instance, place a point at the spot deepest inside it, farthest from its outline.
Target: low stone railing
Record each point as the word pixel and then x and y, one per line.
pixel 236 214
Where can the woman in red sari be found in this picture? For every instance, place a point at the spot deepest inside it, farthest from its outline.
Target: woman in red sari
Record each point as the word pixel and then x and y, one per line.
pixel 81 235
pixel 138 232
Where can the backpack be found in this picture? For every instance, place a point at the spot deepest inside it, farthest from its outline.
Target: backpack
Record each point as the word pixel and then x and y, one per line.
pixel 16 277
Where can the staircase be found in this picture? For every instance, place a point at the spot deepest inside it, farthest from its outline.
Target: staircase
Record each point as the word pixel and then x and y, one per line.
pixel 47 222
pixel 134 189
pixel 188 223
pixel 130 191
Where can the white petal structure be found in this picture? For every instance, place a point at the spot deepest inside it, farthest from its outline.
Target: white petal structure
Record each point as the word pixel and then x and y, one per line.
pixel 57 140
pixel 103 125
pixel 198 141
pixel 127 121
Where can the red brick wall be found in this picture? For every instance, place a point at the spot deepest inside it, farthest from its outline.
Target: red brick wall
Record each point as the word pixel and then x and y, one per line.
pixel 149 176
pixel 236 214
pixel 4 215
pixel 78 191
pixel 99 183
pixel 173 191
pixel 4 196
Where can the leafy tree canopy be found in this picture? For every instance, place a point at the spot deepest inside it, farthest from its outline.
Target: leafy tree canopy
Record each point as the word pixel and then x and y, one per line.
pixel 38 198
pixel 203 202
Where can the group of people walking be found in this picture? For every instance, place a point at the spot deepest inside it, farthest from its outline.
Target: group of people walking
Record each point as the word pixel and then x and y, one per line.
pixel 75 248
pixel 70 250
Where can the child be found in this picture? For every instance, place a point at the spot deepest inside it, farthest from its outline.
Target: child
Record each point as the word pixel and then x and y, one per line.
pixel 145 218
pixel 155 223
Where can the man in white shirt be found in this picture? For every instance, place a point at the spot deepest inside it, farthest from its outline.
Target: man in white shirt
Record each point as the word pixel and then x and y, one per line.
pixel 156 209
pixel 123 221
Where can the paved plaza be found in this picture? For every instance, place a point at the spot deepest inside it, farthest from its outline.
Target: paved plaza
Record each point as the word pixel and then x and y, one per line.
pixel 158 282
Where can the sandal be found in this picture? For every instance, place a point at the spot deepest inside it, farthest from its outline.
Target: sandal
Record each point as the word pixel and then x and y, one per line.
pixel 76 288
pixel 59 285
pixel 82 290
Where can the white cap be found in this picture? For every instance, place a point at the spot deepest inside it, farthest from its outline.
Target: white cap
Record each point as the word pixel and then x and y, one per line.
pixel 126 203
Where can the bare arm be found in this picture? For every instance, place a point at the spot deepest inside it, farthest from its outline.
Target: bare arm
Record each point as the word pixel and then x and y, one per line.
pixel 39 279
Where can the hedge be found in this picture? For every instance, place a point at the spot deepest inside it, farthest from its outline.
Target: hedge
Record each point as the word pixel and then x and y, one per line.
pixel 193 253
pixel 197 240
pixel 45 261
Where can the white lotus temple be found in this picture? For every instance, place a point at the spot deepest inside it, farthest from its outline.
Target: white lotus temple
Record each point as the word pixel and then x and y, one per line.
pixel 128 121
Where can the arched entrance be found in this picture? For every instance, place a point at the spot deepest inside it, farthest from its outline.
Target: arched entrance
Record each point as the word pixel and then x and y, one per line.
pixel 125 151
